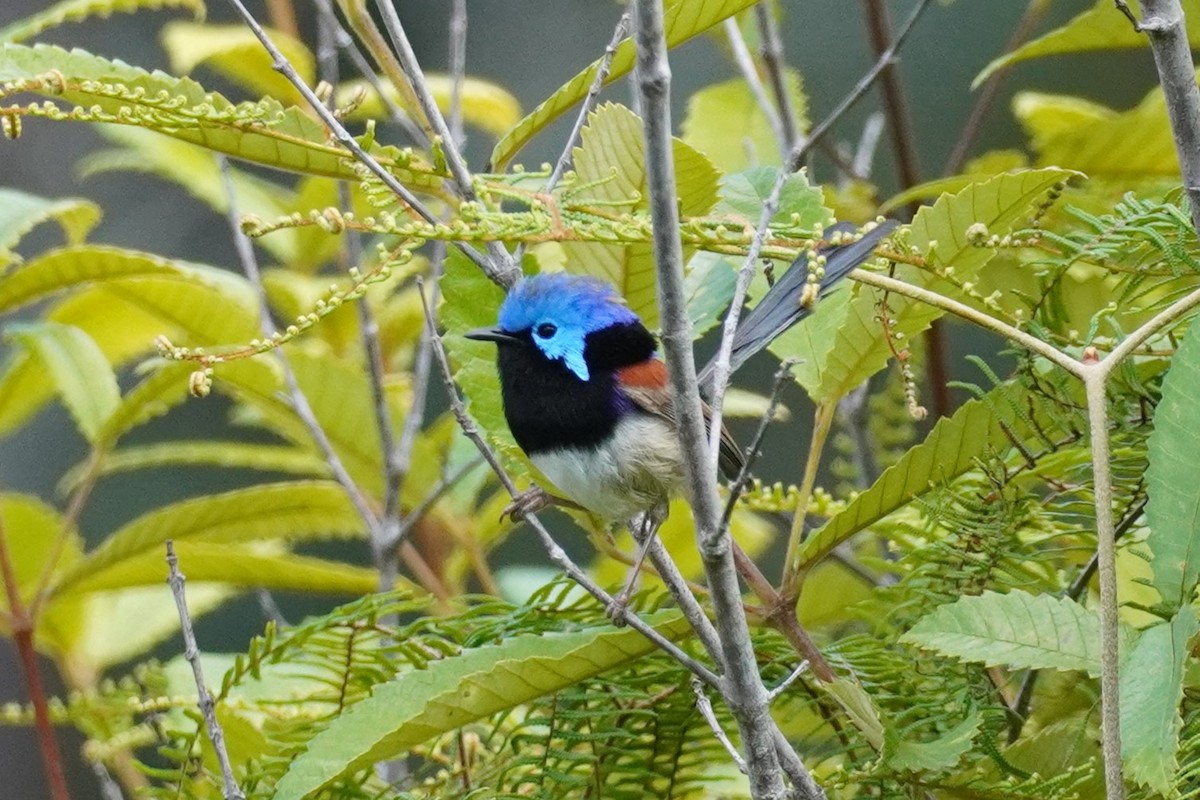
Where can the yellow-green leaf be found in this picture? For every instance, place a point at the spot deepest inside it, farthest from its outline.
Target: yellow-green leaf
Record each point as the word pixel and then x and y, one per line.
pixel 31 531
pixel 1101 27
pixel 80 372
pixel 21 212
pixel 682 20
pixel 485 105
pixel 611 157
pixel 454 691
pixel 234 52
pixel 842 344
pixel 265 132
pixel 726 123
pixel 78 10
pixel 294 510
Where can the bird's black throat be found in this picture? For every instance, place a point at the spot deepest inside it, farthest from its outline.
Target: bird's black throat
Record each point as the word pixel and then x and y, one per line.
pixel 548 407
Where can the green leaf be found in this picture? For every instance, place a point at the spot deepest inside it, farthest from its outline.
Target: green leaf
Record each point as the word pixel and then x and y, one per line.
pixel 842 344
pixel 1151 690
pixel 21 213
pixel 264 132
pixel 470 300
pixel 221 455
pixel 859 707
pixel 1100 141
pixel 941 753
pixel 611 156
pixel 681 21
pixel 178 302
pixel 265 565
pixel 486 105
pixel 708 285
pixel 1173 474
pixel 78 368
pixel 454 691
pixel 234 53
pixel 31 531
pixel 295 510
pixel 725 122
pixel 801 205
pixel 947 452
pixel 1018 630
pixel 78 10
pixel 71 267
pixel 1099 28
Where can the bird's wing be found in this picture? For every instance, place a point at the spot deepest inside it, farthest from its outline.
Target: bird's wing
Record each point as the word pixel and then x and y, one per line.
pixel 646 385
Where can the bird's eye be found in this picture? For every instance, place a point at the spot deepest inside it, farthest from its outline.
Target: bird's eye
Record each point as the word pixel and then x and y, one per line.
pixel 546 330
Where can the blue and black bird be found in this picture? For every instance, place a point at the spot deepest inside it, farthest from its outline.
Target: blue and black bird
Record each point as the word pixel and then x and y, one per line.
pixel 586 395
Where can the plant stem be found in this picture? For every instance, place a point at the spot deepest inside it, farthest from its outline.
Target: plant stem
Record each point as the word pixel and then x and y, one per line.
pixel 822 424
pixel 773 61
pixel 742 685
pixel 204 698
pixel 1110 704
pixel 1163 22
pixel 22 632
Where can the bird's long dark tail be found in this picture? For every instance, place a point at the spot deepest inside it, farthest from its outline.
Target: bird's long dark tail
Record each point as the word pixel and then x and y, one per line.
pixel 781 308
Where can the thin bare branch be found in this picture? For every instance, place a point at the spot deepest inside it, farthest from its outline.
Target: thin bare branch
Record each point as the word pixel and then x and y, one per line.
pixel 743 689
pixel 745 64
pixel 204 698
pixel 782 376
pixel 704 705
pixel 280 64
pixel 776 68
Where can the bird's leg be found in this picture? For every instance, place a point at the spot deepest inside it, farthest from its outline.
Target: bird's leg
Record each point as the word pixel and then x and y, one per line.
pixel 533 500
pixel 644 527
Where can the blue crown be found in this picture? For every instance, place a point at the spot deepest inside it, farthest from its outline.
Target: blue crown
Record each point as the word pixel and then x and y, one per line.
pixel 567 300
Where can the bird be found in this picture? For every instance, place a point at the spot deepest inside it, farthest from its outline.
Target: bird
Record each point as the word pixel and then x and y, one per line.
pixel 586 395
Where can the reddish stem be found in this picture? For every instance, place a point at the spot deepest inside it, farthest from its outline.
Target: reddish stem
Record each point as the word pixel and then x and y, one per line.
pixel 22 629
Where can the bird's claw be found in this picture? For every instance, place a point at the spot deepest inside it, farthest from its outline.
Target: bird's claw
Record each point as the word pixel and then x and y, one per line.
pixel 617 608
pixel 527 502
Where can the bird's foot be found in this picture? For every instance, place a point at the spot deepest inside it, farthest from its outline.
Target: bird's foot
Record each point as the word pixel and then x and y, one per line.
pixel 531 501
pixel 618 606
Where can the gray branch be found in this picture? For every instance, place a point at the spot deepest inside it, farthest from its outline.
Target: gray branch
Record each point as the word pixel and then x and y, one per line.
pixel 1162 21
pixel 204 698
pixel 742 685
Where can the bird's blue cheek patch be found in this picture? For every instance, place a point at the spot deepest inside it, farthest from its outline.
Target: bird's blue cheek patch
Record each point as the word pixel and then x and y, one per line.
pixel 567 345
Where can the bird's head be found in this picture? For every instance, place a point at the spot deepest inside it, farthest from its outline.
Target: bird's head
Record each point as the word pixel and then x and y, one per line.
pixel 554 315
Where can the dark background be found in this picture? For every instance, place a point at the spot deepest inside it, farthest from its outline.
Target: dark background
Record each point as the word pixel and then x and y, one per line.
pixel 530 47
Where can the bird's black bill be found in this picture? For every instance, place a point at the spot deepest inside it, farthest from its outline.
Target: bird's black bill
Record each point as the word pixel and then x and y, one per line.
pixel 490 335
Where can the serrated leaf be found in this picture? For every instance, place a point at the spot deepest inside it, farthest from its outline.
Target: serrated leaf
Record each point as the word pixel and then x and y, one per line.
pixel 1100 141
pixel 80 373
pixel 708 285
pixel 234 52
pixel 859 707
pixel 179 305
pixel 216 454
pixel 264 132
pixel 611 156
pixel 1151 690
pixel 842 344
pixel 1172 476
pixel 725 122
pixel 1017 630
pixel 268 567
pixel 21 212
pixel 681 21
pixel 1098 28
pixel 485 105
pixel 455 691
pixel 78 10
pixel 948 451
pixel 801 204
pixel 294 510
pixel 941 753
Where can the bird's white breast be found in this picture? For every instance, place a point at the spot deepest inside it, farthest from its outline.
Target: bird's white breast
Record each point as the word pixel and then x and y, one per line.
pixel 636 468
